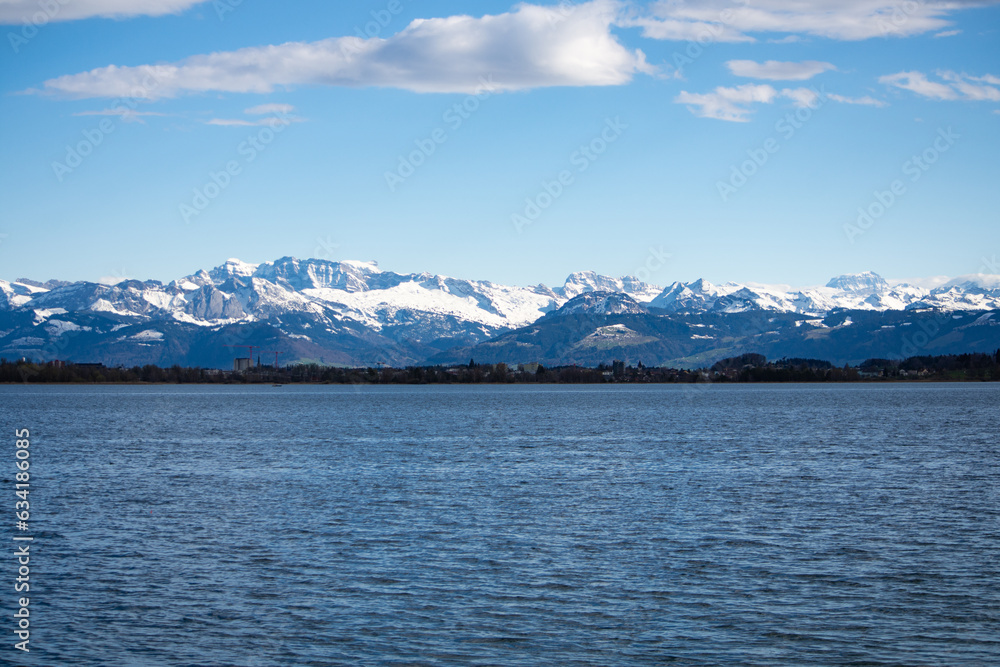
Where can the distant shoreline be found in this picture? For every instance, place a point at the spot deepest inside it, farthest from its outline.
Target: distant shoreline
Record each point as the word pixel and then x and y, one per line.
pixel 750 368
pixel 482 384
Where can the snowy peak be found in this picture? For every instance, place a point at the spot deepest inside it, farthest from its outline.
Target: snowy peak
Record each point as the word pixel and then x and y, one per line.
pixel 867 283
pixel 601 303
pixel 589 281
pixel 699 295
pixel 233 268
pixel 303 297
pixel 975 282
pixel 319 274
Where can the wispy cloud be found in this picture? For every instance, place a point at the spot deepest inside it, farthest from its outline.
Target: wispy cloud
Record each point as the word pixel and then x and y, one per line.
pixel 732 104
pixel 779 71
pixel 16 11
pixel 736 104
pixel 950 86
pixel 530 47
pixel 127 115
pixel 867 100
pixel 787 39
pixel 271 113
pixel 264 109
pixel 671 30
pixel 948 33
pixel 739 20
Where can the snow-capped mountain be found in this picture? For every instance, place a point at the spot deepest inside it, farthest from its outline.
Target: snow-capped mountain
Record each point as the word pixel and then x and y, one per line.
pixel 601 303
pixel 588 281
pixel 866 283
pixel 355 312
pixel 864 291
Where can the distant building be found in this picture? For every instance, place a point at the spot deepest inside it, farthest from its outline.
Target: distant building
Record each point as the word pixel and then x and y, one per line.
pixel 242 364
pixel 618 368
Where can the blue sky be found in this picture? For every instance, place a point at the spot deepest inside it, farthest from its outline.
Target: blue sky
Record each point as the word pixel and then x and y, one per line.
pixel 773 142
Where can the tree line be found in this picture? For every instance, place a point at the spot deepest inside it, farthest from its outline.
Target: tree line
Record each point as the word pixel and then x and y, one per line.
pixel 742 369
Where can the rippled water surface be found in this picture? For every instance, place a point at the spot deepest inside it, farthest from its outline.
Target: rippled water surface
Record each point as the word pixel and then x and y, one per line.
pixel 510 525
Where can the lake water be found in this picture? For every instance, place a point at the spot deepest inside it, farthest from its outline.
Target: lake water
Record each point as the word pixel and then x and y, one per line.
pixel 508 525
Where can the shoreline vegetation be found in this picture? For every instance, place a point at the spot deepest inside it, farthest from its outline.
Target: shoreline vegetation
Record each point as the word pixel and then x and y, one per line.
pixel 747 368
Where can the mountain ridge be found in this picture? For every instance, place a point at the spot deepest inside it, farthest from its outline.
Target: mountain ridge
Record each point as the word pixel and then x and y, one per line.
pixel 356 312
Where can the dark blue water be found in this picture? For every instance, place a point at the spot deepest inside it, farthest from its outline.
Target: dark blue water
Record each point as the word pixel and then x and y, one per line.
pixel 509 525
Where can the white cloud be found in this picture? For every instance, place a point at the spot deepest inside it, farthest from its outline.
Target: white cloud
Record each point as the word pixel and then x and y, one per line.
pixel 732 104
pixel 778 71
pixel 265 109
pixel 530 47
pixel 952 86
pixel 736 104
pixel 127 115
pixel 867 100
pixel 927 283
pixel 948 33
pixel 787 39
pixel 273 113
pixel 685 31
pixel 801 97
pixel 17 11
pixel 110 281
pixel 971 86
pixel 237 122
pixel 737 20
pixel 918 83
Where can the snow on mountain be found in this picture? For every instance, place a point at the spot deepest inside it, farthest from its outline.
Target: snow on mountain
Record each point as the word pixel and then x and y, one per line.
pixel 869 292
pixel 974 281
pixel 601 303
pixel 318 274
pixel 304 299
pixel 395 298
pixel 415 306
pixel 14 295
pixel 700 295
pixel 589 281
pixel 970 292
pixel 867 283
pixel 233 268
pixel 864 291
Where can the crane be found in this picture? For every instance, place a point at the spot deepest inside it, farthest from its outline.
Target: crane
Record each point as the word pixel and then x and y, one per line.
pixel 275 356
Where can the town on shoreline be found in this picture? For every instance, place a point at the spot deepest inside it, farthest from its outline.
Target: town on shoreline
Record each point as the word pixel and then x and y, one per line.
pixel 746 368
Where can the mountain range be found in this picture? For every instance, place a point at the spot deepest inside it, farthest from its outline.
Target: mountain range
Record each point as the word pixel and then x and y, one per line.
pixel 354 313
